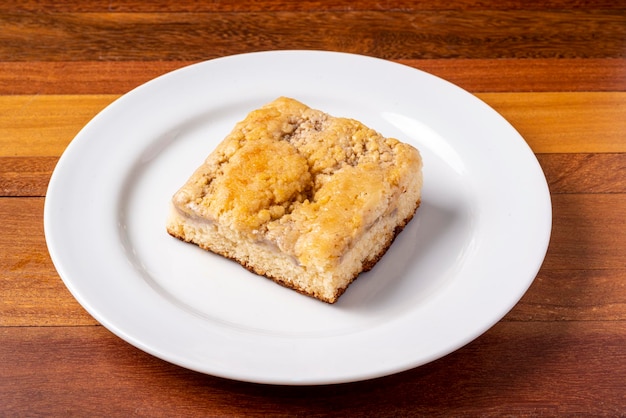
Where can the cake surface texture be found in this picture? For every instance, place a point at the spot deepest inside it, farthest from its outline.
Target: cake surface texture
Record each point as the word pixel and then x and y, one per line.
pixel 301 197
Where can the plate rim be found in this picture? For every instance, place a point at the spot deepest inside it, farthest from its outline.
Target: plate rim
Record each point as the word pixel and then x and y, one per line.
pixel 60 263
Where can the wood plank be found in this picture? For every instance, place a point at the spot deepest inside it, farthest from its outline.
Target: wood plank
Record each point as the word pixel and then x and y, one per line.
pixel 549 122
pixel 475 75
pixel 565 173
pixel 45 125
pixel 528 75
pixel 584 173
pixel 25 176
pixel 588 248
pixel 537 368
pixel 32 292
pixel 588 232
pixel 421 34
pixel 565 122
pixel 189 6
pixel 76 77
pixel 571 295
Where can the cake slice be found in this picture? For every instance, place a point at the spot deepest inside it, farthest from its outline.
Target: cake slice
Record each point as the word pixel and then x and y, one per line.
pixel 304 198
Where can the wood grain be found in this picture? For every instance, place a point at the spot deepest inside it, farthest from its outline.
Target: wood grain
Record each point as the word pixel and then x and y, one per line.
pixel 584 173
pixel 528 75
pixel 574 295
pixel 32 292
pixel 572 33
pixel 475 75
pixel 25 176
pixel 191 6
pixel 589 234
pixel 36 126
pixel 520 362
pixel 565 173
pixel 556 69
pixel 549 122
pixel 565 122
pixel 76 77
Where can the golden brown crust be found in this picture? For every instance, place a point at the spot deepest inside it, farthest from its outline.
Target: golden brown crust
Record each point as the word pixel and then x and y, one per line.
pixel 321 193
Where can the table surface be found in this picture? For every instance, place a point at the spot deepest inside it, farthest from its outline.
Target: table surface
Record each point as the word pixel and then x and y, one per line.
pixel 555 70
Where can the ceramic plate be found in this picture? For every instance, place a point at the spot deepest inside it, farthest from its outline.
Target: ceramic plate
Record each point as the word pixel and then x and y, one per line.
pixel 465 260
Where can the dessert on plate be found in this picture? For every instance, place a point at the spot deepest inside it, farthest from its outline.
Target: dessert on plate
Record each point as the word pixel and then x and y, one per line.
pixel 301 197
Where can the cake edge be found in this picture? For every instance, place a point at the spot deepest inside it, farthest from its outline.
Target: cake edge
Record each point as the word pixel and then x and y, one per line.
pixel 368 265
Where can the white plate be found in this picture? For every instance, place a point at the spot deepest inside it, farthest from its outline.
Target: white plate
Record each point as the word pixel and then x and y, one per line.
pixel 465 260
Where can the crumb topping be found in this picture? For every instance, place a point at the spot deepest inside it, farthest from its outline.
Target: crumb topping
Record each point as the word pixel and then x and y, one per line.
pixel 308 182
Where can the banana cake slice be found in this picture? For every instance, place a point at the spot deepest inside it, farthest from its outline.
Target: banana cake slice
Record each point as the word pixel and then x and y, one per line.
pixel 301 197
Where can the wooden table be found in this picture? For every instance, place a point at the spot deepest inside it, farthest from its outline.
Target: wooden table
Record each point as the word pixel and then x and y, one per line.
pixel 556 71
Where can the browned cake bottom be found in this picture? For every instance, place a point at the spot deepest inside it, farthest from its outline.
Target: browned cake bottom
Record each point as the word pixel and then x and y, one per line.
pixel 367 263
